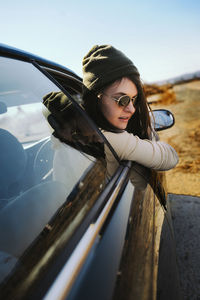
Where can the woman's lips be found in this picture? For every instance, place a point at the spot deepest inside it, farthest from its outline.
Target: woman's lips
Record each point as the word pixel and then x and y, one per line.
pixel 124 119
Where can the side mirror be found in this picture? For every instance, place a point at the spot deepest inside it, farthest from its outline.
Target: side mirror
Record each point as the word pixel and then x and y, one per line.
pixel 162 119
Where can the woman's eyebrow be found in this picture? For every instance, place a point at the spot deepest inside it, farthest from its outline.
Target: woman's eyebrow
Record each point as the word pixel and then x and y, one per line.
pixel 122 94
pixel 119 94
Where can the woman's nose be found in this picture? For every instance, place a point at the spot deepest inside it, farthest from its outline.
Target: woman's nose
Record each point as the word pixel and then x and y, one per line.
pixel 130 108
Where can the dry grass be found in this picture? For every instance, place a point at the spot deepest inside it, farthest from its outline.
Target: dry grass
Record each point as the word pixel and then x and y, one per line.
pixel 166 98
pixel 152 89
pixel 195 134
pixel 192 166
pixel 164 94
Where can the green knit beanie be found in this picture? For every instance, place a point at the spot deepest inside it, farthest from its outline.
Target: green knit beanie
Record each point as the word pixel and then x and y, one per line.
pixel 103 65
pixel 59 106
pixel 57 102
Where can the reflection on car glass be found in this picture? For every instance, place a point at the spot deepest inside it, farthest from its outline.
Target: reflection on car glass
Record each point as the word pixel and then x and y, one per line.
pixel 45 185
pixel 161 119
pixel 44 198
pixel 22 87
pixel 70 126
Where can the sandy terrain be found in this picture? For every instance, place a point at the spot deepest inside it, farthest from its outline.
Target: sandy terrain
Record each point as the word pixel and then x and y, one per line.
pixel 184 102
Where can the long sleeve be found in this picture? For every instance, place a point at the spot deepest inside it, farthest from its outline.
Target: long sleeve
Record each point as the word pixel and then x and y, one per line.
pixel 155 155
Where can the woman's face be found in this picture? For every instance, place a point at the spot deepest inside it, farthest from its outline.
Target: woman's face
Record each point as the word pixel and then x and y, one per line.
pixel 117 115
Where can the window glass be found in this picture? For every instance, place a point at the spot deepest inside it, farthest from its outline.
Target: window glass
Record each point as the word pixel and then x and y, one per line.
pixel 48 181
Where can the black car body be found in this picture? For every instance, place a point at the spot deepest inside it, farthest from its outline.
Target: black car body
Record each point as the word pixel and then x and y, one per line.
pixel 67 232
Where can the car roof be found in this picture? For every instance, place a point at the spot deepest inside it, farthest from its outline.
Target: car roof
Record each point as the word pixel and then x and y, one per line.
pixel 13 52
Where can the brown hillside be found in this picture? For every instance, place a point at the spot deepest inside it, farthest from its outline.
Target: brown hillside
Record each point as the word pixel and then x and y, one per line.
pixel 183 101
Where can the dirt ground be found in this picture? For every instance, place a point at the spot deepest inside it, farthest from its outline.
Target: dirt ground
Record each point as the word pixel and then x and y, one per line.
pixel 183 101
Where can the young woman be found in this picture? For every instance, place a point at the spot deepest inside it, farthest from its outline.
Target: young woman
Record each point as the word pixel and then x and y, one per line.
pixel 114 98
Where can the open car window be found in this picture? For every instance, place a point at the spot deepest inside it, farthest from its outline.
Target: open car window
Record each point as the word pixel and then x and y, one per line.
pixel 48 182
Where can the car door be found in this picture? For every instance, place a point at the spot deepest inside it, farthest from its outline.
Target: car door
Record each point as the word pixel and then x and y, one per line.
pixel 66 231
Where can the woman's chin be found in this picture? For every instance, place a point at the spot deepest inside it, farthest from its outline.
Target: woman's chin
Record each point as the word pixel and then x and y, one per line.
pixel 120 126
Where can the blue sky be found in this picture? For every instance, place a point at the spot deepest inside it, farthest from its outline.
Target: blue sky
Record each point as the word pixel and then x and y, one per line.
pixel 162 38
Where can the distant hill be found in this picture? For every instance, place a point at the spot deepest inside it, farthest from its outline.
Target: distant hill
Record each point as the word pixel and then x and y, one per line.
pixel 180 79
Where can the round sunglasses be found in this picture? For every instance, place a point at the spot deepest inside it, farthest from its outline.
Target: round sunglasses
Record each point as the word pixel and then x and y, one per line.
pixel 124 100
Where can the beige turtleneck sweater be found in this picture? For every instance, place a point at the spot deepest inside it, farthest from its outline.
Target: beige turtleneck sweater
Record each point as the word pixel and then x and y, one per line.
pixel 155 155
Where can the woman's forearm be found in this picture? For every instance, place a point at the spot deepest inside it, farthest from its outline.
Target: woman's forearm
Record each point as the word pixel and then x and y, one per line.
pixel 152 154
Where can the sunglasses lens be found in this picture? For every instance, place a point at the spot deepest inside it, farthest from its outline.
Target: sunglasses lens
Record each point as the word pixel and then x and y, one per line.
pixel 124 100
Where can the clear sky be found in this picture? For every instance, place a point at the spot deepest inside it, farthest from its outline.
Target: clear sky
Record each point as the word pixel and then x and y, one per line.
pixel 161 37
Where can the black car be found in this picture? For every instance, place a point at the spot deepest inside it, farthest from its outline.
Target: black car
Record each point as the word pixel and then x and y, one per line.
pixel 67 232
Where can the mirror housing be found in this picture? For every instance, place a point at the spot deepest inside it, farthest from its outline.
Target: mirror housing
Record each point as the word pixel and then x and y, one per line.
pixel 162 119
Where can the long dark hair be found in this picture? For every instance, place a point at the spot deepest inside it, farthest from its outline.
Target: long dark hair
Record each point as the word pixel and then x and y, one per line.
pixel 139 124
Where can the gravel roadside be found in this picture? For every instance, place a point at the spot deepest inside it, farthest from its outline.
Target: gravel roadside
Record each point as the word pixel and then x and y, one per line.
pixel 185 212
